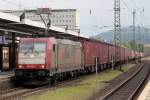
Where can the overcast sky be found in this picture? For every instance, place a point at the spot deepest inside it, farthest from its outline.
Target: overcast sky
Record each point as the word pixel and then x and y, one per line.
pixel 102 11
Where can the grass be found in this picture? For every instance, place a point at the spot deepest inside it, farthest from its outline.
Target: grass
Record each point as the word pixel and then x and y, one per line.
pixel 83 89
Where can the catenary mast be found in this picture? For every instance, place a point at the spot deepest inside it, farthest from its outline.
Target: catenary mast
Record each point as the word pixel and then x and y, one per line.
pixel 117 30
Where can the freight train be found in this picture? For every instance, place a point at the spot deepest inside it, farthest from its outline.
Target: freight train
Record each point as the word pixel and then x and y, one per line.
pixel 44 60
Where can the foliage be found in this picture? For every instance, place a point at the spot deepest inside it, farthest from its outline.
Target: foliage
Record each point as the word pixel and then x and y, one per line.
pixel 134 46
pixel 141 36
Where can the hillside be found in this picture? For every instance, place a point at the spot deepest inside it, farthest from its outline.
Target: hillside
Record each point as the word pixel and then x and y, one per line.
pixel 127 35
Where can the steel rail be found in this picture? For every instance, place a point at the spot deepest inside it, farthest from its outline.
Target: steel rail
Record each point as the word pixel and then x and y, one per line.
pixel 112 91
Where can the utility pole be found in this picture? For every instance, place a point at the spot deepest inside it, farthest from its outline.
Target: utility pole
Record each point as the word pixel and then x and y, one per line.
pixel 96 65
pixel 117 31
pixel 134 12
pixel 146 36
pixel 140 36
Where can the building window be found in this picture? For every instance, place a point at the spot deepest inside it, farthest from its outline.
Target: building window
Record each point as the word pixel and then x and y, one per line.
pixel 45 17
pixel 37 17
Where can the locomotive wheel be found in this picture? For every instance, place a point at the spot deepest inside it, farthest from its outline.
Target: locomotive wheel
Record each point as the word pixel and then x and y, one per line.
pixel 52 80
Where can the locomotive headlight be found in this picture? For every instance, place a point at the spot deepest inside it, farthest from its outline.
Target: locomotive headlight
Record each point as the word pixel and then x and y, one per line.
pixel 20 66
pixel 42 66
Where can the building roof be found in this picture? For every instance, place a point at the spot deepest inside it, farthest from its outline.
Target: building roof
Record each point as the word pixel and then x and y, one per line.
pixel 8 19
pixel 35 10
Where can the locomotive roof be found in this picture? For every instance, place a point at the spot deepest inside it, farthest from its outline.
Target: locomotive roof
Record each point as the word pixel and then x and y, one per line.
pixel 65 41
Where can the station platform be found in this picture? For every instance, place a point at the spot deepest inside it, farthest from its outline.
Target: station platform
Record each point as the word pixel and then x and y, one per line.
pixel 5 75
pixel 145 95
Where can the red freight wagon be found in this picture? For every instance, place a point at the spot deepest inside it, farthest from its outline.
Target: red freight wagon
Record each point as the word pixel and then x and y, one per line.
pixel 95 49
pixel 136 54
pixel 104 53
pixel 127 54
pixel 133 54
pixel 111 52
pixel 140 54
pixel 130 54
pixel 122 54
pixel 118 50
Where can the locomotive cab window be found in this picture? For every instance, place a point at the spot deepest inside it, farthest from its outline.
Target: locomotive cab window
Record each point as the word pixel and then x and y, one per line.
pixel 31 47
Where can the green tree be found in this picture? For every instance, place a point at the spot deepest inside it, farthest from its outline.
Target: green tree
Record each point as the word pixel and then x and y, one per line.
pixel 134 46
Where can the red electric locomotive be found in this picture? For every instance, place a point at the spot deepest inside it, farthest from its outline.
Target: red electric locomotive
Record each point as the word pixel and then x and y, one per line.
pixel 43 59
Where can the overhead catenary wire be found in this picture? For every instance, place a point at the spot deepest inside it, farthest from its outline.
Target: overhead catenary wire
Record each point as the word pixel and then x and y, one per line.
pixel 100 12
pixel 130 10
pixel 135 6
pixel 139 11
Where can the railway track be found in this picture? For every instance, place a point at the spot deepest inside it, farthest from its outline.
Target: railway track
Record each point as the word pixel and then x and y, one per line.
pixel 19 93
pixel 2 92
pixel 127 89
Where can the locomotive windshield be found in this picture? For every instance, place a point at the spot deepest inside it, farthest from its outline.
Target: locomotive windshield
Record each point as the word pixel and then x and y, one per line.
pixel 32 47
pixel 32 53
